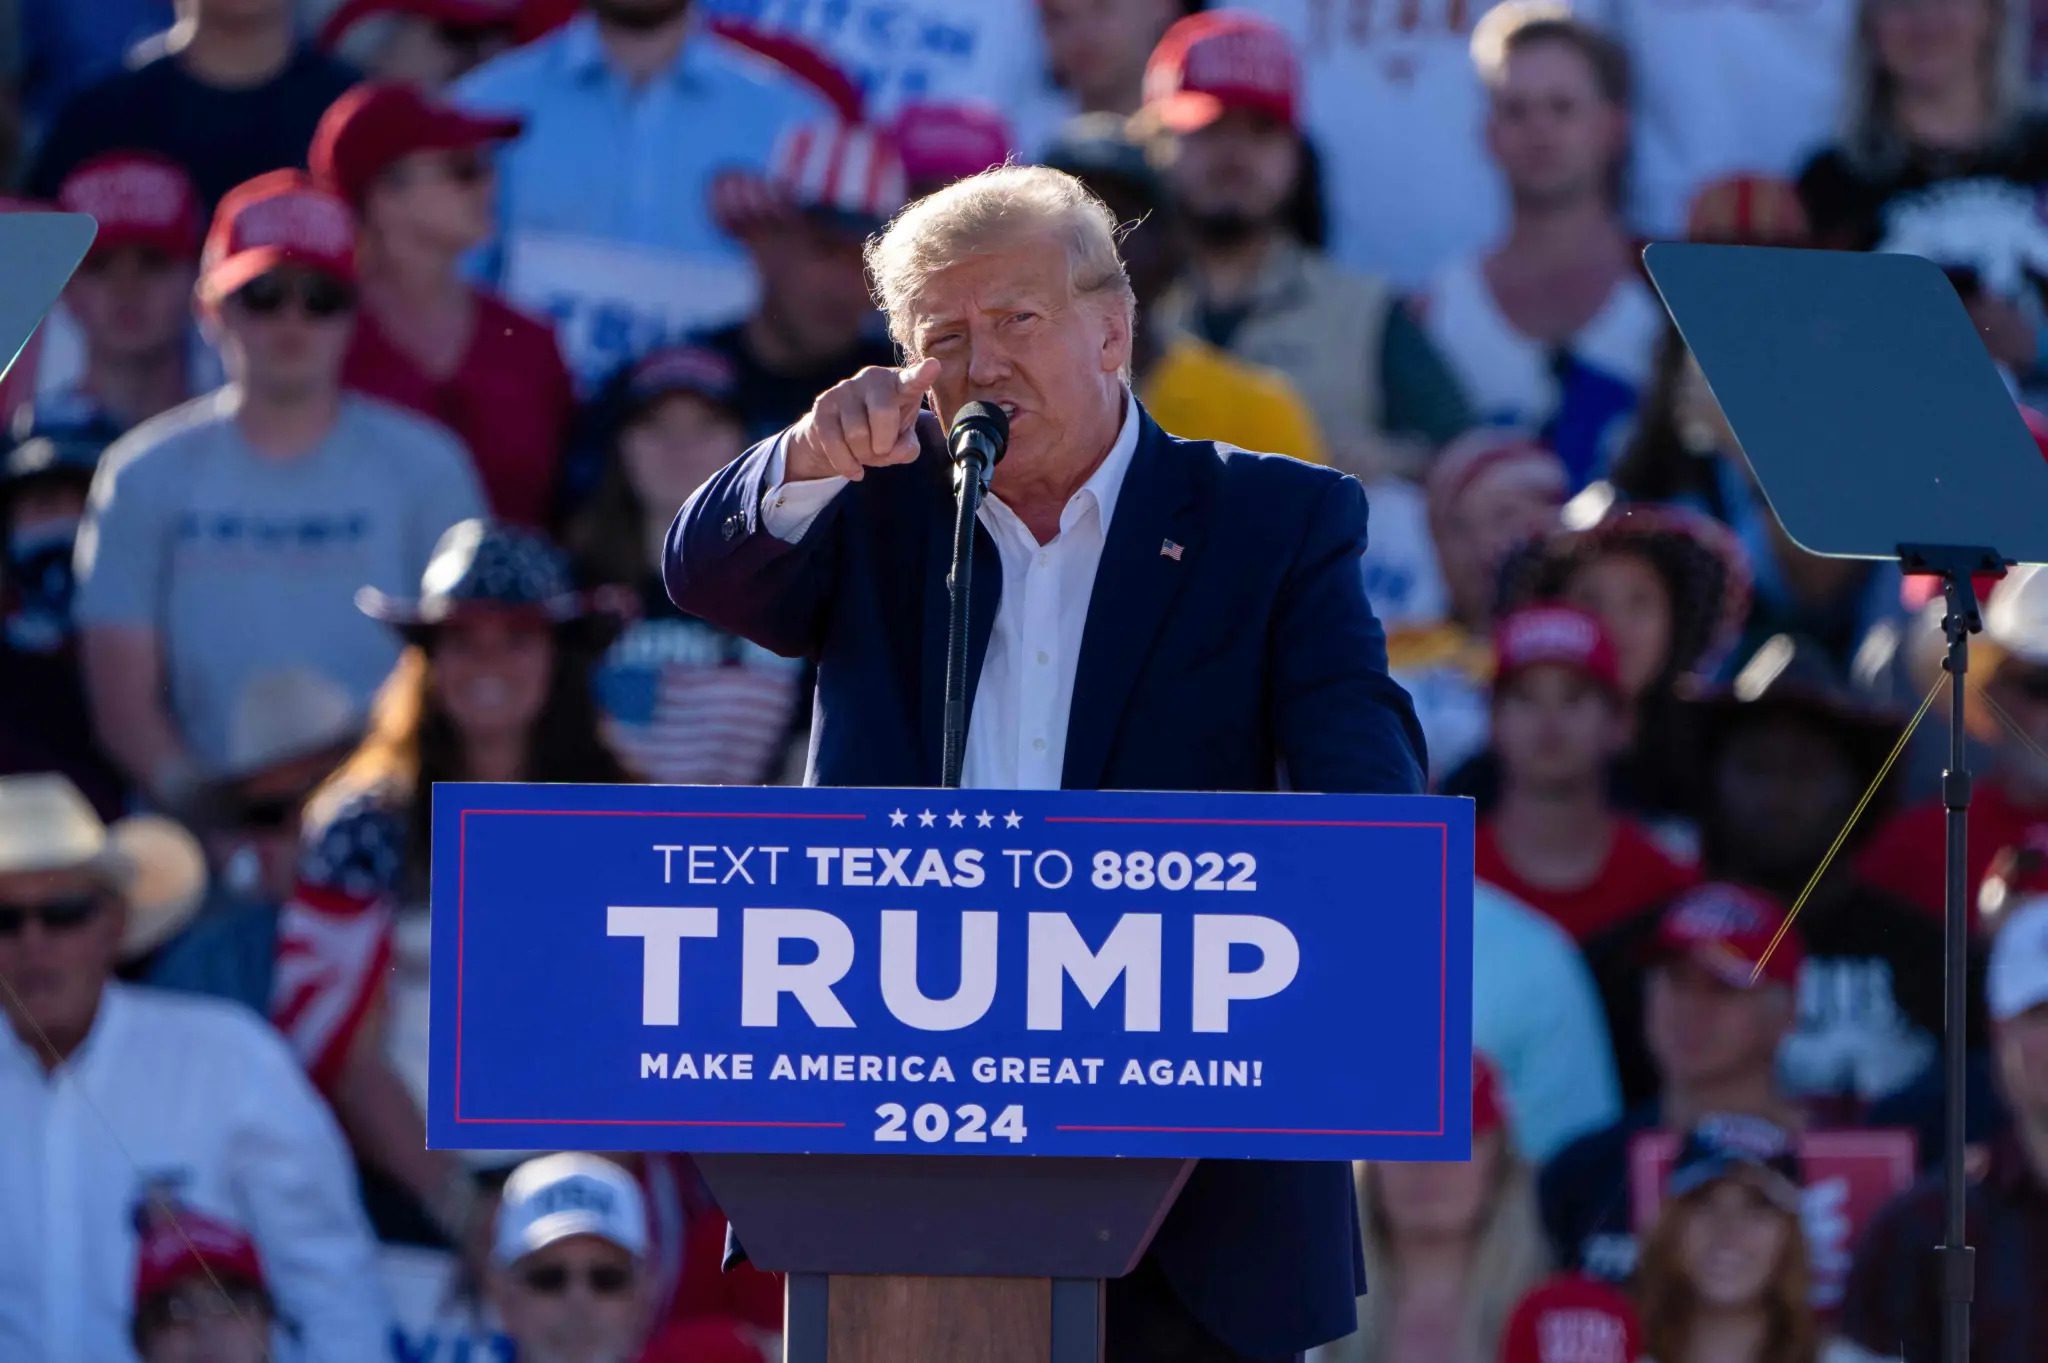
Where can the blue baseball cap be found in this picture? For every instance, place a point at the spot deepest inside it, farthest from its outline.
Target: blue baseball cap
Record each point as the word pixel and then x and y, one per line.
pixel 1726 1145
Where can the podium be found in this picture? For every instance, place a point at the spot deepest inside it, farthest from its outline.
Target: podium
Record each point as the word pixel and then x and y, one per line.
pixel 947 1058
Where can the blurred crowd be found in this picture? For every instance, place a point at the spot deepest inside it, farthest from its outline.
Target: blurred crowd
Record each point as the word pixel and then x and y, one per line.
pixel 345 464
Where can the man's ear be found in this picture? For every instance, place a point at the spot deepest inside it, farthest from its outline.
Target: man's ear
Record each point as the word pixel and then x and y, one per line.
pixel 1116 336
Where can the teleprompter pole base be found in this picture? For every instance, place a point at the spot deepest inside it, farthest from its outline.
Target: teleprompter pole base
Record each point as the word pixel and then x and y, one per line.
pixel 889 1318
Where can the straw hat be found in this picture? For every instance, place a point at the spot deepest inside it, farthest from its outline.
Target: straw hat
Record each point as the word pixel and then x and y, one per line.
pixel 2015 628
pixel 286 714
pixel 155 865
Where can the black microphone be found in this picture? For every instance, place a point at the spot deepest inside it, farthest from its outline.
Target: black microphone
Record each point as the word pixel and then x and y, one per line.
pixel 980 435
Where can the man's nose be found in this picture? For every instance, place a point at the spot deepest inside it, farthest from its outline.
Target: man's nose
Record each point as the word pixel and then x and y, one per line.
pixel 987 363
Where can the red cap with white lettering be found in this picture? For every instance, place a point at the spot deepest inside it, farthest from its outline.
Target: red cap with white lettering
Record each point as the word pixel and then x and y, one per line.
pixel 138 199
pixel 273 221
pixel 1572 1320
pixel 1208 64
pixel 1561 635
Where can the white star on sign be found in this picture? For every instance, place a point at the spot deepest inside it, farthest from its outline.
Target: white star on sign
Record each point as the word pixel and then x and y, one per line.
pixel 1012 820
pixel 984 819
pixel 926 819
pixel 896 818
pixel 955 819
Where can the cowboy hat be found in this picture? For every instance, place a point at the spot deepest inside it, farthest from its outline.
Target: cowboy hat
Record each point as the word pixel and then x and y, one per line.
pixel 482 567
pixel 151 861
pixel 1788 675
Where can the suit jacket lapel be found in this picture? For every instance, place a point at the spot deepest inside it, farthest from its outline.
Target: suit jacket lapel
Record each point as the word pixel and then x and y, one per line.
pixel 985 590
pixel 1140 573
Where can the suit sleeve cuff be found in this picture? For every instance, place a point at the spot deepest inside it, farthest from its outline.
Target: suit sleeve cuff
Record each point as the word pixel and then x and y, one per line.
pixel 788 509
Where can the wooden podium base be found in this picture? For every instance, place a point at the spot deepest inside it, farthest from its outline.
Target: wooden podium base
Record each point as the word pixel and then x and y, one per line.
pixel 944 1259
pixel 887 1318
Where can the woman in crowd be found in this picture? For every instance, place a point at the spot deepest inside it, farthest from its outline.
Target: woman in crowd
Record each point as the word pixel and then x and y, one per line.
pixel 683 701
pixel 493 686
pixel 1684 453
pixel 1725 1276
pixel 418 173
pixel 1940 156
pixel 1449 1248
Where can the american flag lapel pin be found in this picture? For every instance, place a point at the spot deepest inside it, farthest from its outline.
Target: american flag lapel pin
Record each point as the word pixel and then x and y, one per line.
pixel 1170 549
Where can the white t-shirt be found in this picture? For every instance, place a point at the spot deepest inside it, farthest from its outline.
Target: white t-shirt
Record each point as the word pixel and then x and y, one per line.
pixel 1397 114
pixel 1507 375
pixel 1725 87
pixel 903 51
pixel 198 1102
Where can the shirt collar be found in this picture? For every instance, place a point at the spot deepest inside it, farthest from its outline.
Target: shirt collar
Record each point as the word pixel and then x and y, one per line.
pixel 107 1019
pixel 1108 479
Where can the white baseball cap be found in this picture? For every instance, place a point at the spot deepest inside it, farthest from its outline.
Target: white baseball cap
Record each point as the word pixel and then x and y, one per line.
pixel 2018 976
pixel 557 1196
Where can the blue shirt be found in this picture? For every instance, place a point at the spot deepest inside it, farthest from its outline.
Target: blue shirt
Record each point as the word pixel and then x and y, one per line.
pixel 604 203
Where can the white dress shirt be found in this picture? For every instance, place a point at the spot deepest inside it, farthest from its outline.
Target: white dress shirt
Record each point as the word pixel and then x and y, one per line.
pixel 199 1102
pixel 1017 732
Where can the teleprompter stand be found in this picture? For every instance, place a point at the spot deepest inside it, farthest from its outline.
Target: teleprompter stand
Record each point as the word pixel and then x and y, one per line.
pixel 1878 428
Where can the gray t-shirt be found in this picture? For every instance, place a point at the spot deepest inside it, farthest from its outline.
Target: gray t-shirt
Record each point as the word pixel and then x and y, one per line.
pixel 244 563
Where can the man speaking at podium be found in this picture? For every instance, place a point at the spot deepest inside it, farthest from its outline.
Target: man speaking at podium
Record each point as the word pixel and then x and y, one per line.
pixel 1148 613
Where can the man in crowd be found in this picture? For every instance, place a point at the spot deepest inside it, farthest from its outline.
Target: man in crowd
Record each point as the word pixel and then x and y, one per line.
pixel 1789 752
pixel 418 174
pixel 200 1296
pixel 131 299
pixel 830 186
pixel 1222 91
pixel 230 536
pixel 1190 387
pixel 1713 1034
pixel 1095 53
pixel 571 1274
pixel 1007 287
pixel 1552 327
pixel 126 1103
pixel 44 723
pixel 2009 711
pixel 228 93
pixel 1554 839
pixel 603 217
pixel 1893 1303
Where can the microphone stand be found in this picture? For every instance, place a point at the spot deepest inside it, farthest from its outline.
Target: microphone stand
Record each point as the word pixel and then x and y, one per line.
pixel 970 485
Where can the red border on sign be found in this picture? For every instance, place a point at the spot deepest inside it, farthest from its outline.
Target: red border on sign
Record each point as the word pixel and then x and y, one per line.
pixel 461 935
pixel 1443 969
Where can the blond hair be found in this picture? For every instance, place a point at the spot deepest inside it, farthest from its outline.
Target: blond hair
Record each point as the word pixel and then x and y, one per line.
pixel 1509 1257
pixel 995 208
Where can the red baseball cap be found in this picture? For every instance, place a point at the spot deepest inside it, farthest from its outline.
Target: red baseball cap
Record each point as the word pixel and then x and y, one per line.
pixel 180 1243
pixel 944 142
pixel 139 199
pixel 379 122
pixel 1209 64
pixel 1572 1320
pixel 1726 929
pixel 277 219
pixel 1558 634
pixel 844 170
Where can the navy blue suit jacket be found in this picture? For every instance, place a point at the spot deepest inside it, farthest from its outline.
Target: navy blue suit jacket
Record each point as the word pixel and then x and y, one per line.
pixel 1249 661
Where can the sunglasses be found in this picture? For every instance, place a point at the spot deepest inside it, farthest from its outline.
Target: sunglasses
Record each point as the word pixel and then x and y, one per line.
pixel 462 166
pixel 58 915
pixel 277 812
pixel 317 296
pixel 603 1280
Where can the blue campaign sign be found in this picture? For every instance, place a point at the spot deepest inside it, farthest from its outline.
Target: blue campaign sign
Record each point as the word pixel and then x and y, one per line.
pixel 785 970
